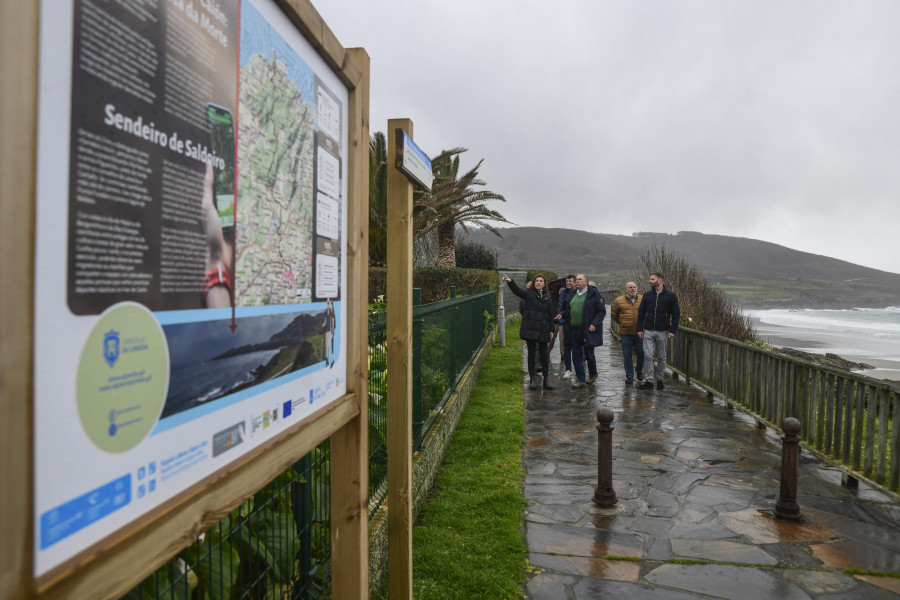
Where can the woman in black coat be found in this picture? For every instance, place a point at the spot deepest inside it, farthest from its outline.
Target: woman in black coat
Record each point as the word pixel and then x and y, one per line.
pixel 537 324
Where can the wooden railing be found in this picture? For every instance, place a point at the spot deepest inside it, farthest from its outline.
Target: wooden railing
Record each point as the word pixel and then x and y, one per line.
pixel 846 417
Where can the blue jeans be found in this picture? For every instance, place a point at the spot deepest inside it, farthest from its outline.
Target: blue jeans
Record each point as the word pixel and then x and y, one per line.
pixel 580 351
pixel 632 343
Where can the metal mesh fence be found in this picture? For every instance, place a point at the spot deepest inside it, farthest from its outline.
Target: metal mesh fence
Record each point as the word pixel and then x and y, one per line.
pixel 277 543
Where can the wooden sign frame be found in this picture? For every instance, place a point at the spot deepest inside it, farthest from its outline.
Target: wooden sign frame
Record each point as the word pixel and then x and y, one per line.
pixel 113 566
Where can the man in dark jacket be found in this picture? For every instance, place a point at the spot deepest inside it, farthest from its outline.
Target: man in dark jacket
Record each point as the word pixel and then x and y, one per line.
pixel 584 312
pixel 658 318
pixel 565 343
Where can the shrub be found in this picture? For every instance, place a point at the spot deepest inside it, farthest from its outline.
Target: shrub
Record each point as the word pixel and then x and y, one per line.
pixel 473 255
pixel 435 282
pixel 703 306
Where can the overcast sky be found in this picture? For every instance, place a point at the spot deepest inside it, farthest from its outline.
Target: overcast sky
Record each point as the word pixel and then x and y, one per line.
pixel 771 120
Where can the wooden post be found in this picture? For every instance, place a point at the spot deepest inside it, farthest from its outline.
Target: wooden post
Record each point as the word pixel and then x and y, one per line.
pixel 350 443
pixel 604 495
pixel 787 507
pixel 18 118
pixel 418 402
pixel 399 365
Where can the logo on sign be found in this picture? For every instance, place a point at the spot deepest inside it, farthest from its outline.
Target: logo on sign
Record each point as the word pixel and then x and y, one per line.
pixel 111 347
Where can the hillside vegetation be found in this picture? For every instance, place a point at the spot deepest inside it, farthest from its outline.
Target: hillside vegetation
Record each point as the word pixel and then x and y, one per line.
pixel 755 273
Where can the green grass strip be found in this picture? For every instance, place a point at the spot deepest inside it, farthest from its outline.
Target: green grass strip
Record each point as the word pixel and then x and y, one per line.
pixel 872 573
pixel 467 541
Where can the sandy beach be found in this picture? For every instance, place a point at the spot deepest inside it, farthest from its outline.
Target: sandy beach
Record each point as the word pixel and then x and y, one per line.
pixel 882 354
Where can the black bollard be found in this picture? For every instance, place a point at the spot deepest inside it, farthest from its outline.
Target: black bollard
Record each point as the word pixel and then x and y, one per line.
pixel 604 494
pixel 787 507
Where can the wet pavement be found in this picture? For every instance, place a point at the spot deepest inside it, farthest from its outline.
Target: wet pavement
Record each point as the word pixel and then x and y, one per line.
pixel 697 484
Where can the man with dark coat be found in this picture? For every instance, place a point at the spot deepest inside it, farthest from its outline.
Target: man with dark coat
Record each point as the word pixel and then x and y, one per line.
pixel 584 312
pixel 537 325
pixel 565 344
pixel 658 318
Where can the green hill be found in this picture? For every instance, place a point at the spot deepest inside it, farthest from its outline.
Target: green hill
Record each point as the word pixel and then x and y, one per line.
pixel 759 274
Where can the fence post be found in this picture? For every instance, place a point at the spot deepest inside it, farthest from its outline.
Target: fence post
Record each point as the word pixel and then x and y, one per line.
pixel 604 495
pixel 454 340
pixel 501 323
pixel 689 343
pixel 301 503
pixel 787 507
pixel 418 400
pixel 452 292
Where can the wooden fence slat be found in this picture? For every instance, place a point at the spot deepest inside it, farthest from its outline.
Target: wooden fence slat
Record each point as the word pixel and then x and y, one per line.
pixel 849 389
pixel 881 465
pixel 838 417
pixel 812 401
pixel 871 414
pixel 772 394
pixel 759 383
pixel 895 444
pixel 829 414
pixel 746 383
pixel 858 426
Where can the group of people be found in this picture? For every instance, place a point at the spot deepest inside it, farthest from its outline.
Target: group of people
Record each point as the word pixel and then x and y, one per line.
pixel 646 321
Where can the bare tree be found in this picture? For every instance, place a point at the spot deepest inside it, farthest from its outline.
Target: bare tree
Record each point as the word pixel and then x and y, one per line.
pixel 703 306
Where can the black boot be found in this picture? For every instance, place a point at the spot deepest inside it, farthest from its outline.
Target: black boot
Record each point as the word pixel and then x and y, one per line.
pixel 547 385
pixel 532 384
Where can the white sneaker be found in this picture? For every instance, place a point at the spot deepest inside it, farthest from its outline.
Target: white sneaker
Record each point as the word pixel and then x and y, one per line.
pixel 567 375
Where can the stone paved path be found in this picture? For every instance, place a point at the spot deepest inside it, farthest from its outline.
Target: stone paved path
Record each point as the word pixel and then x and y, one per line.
pixel 696 485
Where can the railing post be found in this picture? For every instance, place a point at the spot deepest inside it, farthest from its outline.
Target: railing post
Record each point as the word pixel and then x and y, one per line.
pixel 689 343
pixel 501 323
pixel 452 292
pixel 787 507
pixel 418 407
pixel 454 339
pixel 604 495
pixel 301 507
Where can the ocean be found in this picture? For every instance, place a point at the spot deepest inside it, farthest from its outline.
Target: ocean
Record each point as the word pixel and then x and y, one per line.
pixel 866 335
pixel 195 383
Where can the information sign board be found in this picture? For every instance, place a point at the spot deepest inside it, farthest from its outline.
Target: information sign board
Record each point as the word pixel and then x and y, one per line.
pixel 190 253
pixel 412 161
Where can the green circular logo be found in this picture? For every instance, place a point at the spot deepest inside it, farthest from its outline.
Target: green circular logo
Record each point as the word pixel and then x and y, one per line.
pixel 123 377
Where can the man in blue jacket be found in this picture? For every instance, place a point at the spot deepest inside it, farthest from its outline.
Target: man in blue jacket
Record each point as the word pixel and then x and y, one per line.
pixel 658 318
pixel 584 312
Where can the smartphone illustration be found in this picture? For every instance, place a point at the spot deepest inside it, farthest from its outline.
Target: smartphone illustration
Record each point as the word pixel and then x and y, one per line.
pixel 221 144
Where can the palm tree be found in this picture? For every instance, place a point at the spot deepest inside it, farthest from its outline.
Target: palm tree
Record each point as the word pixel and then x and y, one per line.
pixel 453 201
pixel 377 199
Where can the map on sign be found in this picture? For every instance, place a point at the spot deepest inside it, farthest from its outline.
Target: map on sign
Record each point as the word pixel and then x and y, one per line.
pixel 276 149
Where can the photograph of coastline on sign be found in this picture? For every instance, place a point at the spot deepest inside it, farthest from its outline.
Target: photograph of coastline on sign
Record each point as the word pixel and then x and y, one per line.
pixel 209 362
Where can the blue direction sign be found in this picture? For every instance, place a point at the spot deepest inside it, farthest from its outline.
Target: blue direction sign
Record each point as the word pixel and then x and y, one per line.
pixel 412 161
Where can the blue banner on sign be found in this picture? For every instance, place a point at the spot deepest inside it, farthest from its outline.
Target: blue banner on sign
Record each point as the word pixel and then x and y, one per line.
pixel 64 520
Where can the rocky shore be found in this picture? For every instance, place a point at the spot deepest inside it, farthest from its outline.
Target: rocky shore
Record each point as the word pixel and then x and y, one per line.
pixel 826 360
